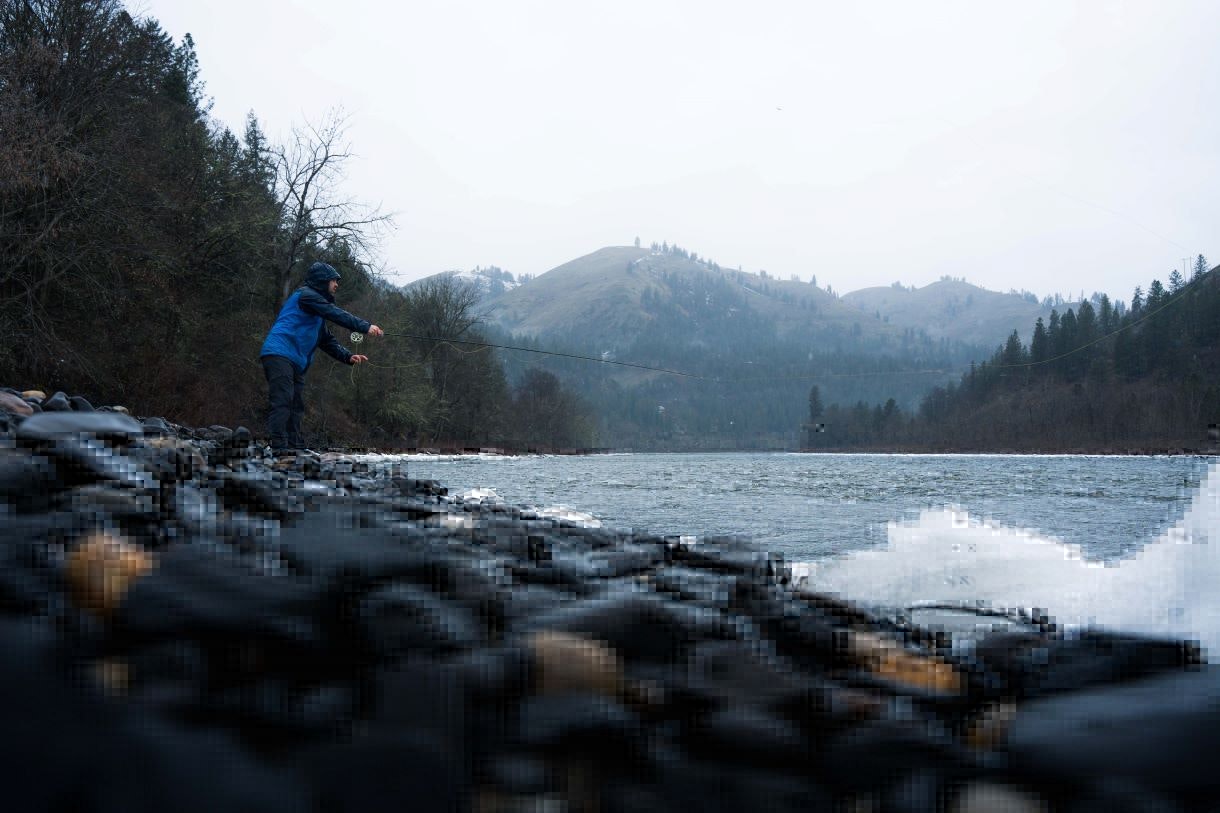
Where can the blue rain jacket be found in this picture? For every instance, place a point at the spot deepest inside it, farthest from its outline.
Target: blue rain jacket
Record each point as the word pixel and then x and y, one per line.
pixel 301 326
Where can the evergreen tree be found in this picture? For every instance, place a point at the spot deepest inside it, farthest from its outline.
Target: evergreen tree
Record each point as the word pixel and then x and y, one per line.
pixel 1013 354
pixel 1200 267
pixel 1039 346
pixel 1156 295
pixel 815 404
pixel 1108 316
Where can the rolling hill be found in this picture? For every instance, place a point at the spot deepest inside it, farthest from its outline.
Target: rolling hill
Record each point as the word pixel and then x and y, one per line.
pixel 752 344
pixel 951 309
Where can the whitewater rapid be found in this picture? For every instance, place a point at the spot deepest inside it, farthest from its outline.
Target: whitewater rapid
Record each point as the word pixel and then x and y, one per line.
pixel 1169 587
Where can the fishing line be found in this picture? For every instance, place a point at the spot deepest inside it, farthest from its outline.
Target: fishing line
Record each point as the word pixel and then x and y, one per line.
pixel 482 346
pixel 1172 301
pixel 695 376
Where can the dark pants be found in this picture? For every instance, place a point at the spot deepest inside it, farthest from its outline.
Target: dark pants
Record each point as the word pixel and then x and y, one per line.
pixel 285 388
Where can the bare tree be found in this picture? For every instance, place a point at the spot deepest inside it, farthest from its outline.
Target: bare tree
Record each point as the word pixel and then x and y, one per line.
pixel 307 174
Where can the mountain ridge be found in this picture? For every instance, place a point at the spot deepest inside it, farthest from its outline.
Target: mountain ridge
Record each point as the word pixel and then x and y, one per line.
pixel 603 294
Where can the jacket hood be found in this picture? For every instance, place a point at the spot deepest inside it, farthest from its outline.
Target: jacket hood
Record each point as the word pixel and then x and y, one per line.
pixel 320 274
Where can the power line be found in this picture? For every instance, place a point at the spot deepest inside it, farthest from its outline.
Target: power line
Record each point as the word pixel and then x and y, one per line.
pixel 1174 299
pixel 649 368
pixel 761 379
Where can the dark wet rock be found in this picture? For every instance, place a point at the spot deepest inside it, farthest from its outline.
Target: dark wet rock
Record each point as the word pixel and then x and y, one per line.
pixel 80 404
pixel 30 580
pixel 716 787
pixel 339 636
pixel 57 403
pixel 14 404
pixel 254 494
pixel 83 459
pixel 690 584
pixel 215 433
pixel 50 427
pixel 885 754
pixel 156 427
pixel 27 480
pixel 136 512
pixel 116 757
pixel 1033 665
pixel 598 727
pixel 747 735
pixel 411 488
pixel 728 555
pixel 522 775
pixel 1158 735
pixel 400 619
pixel 169 459
pixel 384 772
pixel 638 624
pixel 232 449
pixel 206 594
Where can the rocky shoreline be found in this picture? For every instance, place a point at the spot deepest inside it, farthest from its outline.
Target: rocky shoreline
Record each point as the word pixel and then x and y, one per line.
pixel 189 623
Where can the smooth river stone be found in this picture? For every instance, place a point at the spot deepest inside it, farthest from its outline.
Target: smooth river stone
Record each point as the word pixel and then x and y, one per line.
pixel 57 403
pixel 50 426
pixel 14 404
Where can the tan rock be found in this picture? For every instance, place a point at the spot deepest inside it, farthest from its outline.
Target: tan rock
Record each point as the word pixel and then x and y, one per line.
pixel 113 675
pixel 992 797
pixel 39 394
pixel 886 659
pixel 567 663
pixel 15 405
pixel 102 568
pixel 186 456
pixel 989 729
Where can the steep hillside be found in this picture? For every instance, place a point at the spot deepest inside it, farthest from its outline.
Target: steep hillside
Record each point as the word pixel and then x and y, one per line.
pixel 752 345
pixel 1073 387
pixel 951 309
pixel 602 290
pixel 613 296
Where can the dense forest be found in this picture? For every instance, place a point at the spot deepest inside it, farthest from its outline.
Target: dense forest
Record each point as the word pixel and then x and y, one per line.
pixel 739 373
pixel 1091 379
pixel 145 250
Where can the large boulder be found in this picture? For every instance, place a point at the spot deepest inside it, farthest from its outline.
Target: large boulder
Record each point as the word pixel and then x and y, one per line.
pixel 17 406
pixel 58 402
pixel 80 404
pixel 51 426
pixel 158 427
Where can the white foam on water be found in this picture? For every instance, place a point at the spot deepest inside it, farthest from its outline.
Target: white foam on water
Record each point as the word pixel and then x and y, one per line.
pixel 1168 588
pixel 570 515
pixel 481 495
pixel 383 458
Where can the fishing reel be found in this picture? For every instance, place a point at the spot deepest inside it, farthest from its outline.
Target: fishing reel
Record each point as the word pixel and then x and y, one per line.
pixel 357 337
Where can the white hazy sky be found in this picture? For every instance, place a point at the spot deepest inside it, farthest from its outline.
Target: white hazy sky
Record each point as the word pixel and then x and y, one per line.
pixel 1054 146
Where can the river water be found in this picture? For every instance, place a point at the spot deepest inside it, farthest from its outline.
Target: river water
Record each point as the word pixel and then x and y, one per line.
pixel 1129 542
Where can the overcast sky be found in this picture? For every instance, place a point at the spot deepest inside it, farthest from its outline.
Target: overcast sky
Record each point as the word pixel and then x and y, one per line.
pixel 1052 146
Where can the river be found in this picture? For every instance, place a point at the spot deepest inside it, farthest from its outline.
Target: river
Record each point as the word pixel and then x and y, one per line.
pixel 1128 542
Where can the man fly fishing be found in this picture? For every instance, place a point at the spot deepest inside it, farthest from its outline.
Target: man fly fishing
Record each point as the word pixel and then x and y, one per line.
pixel 288 349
